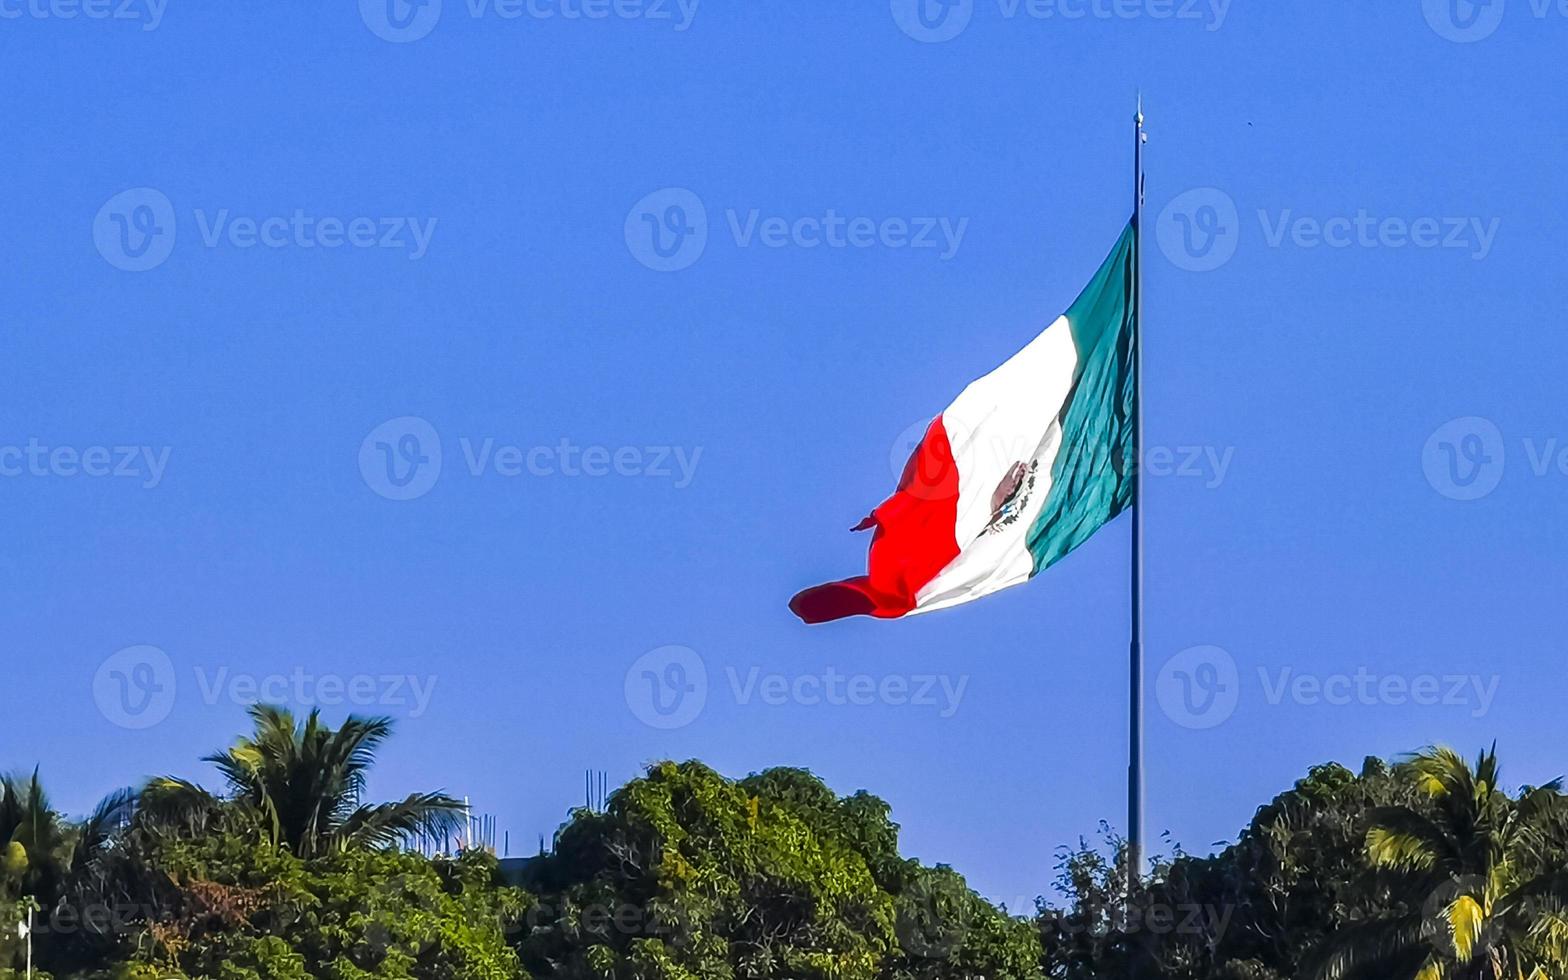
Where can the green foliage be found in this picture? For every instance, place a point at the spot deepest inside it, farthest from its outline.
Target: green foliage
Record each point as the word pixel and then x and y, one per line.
pixel 241 910
pixel 689 874
pixel 1480 874
pixel 296 785
pixel 43 855
pixel 1425 871
pixel 1429 870
pixel 1297 876
pixel 946 930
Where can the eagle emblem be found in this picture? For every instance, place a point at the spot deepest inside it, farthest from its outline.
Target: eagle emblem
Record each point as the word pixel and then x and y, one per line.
pixel 1011 495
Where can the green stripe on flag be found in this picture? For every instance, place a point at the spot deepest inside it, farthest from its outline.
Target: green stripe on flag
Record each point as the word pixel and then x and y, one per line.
pixel 1090 481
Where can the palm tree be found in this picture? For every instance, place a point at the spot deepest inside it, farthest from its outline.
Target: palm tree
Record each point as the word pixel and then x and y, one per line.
pixel 1483 871
pixel 298 786
pixel 49 861
pixel 30 826
pixel 53 847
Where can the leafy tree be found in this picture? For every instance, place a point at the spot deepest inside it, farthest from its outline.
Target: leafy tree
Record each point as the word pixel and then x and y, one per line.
pixel 1256 910
pixel 1484 899
pixel 1297 875
pixel 945 930
pixel 298 786
pixel 1086 938
pixel 237 909
pixel 689 874
pixel 1423 871
pixel 44 856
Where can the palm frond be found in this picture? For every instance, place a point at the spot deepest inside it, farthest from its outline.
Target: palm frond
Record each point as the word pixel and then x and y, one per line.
pixel 168 803
pixel 386 824
pixel 1373 950
pixel 1465 919
pixel 1439 771
pixel 112 814
pixel 1402 839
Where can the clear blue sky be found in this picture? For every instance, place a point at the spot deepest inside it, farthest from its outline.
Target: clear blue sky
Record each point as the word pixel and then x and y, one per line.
pixel 1331 541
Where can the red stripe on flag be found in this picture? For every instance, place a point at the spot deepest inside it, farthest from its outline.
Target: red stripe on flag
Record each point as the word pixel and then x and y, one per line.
pixel 914 540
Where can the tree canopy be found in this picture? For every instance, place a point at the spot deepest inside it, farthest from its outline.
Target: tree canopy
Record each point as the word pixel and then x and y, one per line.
pixel 1428 869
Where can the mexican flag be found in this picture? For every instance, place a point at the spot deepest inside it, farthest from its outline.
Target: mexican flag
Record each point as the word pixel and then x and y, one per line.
pixel 1021 468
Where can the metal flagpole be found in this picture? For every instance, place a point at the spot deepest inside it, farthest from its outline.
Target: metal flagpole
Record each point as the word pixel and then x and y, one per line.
pixel 1135 680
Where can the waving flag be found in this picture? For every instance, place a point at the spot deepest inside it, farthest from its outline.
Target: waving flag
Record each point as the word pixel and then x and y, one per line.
pixel 1021 468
